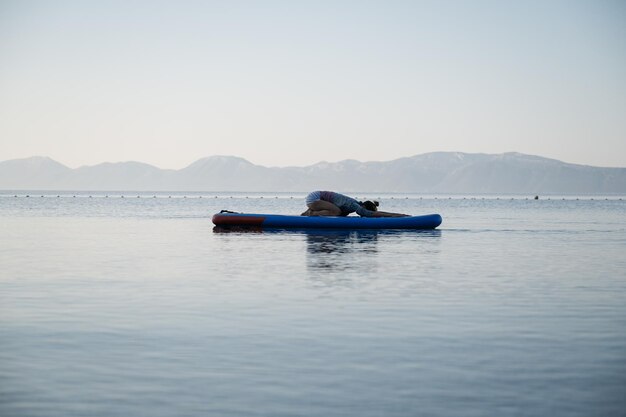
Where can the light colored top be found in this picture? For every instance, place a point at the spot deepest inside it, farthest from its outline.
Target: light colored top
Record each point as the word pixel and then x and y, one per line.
pixel 346 204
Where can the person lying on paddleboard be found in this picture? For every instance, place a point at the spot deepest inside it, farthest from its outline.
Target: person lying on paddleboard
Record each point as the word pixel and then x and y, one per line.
pixel 329 203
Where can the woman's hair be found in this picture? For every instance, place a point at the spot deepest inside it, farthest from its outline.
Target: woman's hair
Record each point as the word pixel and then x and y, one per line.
pixel 370 205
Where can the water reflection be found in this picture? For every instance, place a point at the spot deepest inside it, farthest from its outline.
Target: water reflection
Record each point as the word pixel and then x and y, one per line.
pixel 358 250
pixel 347 258
pixel 341 242
pixel 238 229
pixel 328 233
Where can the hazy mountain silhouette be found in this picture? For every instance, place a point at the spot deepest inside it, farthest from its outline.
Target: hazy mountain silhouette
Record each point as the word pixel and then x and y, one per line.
pixel 437 172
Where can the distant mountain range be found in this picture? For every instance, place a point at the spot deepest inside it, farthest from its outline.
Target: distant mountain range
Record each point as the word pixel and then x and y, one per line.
pixel 437 172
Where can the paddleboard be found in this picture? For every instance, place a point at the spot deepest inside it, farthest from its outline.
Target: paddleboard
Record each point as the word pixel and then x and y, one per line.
pixel 280 221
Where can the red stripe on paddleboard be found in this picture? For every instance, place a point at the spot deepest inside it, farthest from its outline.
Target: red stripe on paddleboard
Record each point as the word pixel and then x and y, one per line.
pixel 220 219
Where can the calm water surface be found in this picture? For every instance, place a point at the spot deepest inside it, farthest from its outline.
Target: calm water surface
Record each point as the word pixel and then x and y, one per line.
pixel 131 306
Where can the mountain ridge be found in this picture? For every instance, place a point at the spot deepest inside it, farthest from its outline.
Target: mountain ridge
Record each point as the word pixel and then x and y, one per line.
pixel 434 172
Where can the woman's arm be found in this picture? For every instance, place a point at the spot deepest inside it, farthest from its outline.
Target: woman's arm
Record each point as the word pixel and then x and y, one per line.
pixel 363 212
pixel 385 214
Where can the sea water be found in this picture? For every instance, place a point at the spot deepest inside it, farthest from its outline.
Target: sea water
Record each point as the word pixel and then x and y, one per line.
pixel 126 304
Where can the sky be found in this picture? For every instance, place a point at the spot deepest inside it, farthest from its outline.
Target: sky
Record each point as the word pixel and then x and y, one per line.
pixel 285 83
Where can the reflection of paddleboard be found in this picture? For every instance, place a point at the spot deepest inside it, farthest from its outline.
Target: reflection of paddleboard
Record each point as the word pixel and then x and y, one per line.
pixel 278 221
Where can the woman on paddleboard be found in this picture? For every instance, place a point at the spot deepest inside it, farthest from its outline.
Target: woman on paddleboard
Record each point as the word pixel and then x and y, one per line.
pixel 329 203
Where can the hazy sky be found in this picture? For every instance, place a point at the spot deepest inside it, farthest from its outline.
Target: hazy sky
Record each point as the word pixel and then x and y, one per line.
pixel 296 82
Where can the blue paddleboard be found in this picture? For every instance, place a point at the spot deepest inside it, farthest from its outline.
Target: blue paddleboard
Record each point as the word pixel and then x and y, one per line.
pixel 279 221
